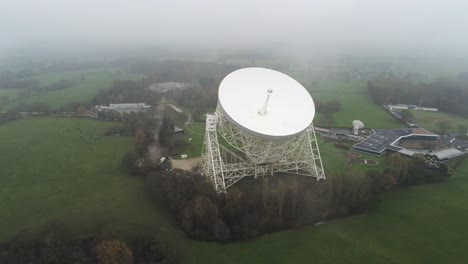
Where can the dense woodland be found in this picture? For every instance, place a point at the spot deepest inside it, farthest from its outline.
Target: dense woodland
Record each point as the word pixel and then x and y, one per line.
pixel 328 109
pixel 448 95
pixel 203 80
pixel 136 162
pixel 200 95
pixel 174 142
pixel 257 206
pixel 123 91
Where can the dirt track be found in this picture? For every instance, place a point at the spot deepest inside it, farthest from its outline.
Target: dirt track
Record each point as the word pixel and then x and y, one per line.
pixel 186 164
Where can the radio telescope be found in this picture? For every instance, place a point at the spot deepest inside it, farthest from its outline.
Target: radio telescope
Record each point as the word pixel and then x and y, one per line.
pixel 357 124
pixel 264 119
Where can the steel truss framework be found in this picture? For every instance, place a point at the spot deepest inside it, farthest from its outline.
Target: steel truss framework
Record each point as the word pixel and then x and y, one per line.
pixel 260 156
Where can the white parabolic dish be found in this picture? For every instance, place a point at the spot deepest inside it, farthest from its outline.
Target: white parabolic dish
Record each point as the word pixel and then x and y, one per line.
pixel 359 124
pixel 243 93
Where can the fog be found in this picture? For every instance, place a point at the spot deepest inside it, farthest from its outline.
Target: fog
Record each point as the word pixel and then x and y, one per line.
pixel 403 26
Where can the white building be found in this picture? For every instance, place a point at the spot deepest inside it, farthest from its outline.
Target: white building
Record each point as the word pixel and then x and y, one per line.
pixel 411 107
pixel 124 108
pixel 175 108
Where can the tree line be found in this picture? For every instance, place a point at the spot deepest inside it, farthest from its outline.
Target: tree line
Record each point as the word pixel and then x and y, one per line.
pixel 203 79
pixel 328 109
pixel 7 117
pixel 253 207
pixel 257 206
pixel 42 107
pixel 29 68
pixel 125 91
pixel 174 142
pixel 30 85
pixel 140 125
pixel 56 245
pixel 448 95
pixel 421 169
pixel 137 162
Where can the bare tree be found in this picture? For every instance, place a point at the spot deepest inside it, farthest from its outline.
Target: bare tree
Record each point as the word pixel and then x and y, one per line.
pixel 444 126
pixel 407 115
pixel 463 129
pixel 280 197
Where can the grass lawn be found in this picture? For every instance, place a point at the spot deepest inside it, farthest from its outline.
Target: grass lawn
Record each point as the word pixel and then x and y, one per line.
pixel 65 170
pixel 423 224
pixel 355 104
pixel 83 91
pixel 196 132
pixel 429 120
pixel 334 159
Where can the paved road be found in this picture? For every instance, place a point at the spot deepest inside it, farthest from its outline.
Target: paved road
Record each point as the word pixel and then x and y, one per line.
pixel 155 150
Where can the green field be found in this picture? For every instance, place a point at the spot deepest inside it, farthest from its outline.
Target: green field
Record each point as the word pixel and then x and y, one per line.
pixel 53 172
pixel 65 170
pixel 355 104
pixel 83 91
pixel 335 160
pixel 50 78
pixel 196 132
pixel 429 120
pixel 423 224
pixel 11 94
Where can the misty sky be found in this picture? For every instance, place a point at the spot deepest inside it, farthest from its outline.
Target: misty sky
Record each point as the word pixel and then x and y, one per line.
pixel 332 24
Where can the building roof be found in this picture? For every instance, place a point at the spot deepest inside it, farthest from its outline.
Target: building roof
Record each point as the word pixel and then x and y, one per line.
pixel 178 129
pixel 175 108
pixel 443 154
pixel 124 106
pixel 172 85
pixel 450 153
pixel 422 131
pixel 384 139
pixel 454 142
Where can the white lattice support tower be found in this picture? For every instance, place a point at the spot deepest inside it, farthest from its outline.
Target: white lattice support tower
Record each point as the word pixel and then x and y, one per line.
pixel 212 165
pixel 223 167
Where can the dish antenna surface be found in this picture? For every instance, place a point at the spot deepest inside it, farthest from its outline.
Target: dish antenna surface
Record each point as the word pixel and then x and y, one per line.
pixel 265 102
pixel 357 124
pixel 265 117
